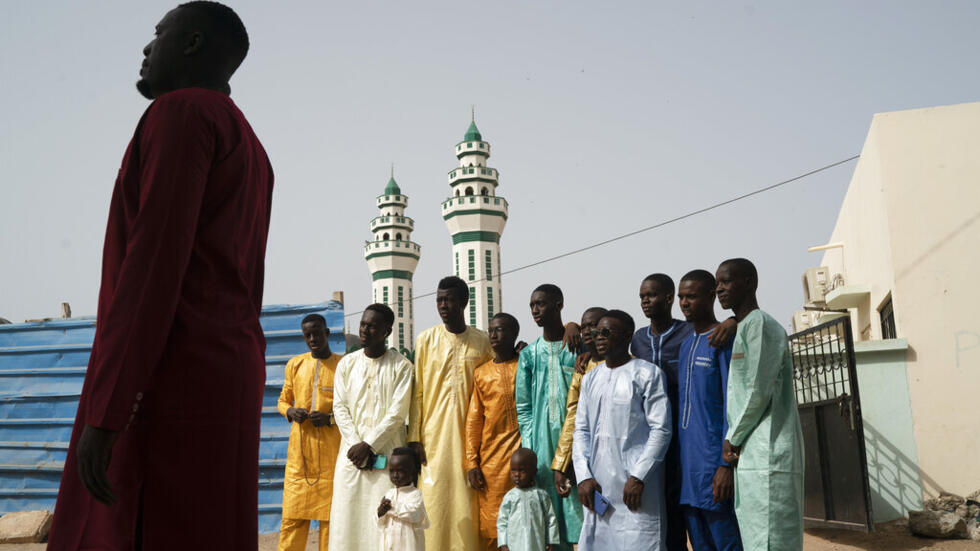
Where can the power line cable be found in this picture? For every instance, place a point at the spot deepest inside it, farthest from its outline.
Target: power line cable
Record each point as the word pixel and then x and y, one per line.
pixel 653 227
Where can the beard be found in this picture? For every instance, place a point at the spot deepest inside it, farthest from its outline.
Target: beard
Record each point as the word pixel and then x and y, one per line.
pixel 143 87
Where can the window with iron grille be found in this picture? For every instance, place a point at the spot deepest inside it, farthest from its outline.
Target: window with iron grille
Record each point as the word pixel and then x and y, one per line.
pixel 489 304
pixel 489 261
pixel 401 301
pixel 887 316
pixel 472 259
pixel 473 305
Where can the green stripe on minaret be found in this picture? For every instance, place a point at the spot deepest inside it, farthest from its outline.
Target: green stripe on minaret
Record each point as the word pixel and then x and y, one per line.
pixel 468 236
pixel 391 274
pixel 487 212
pixel 391 253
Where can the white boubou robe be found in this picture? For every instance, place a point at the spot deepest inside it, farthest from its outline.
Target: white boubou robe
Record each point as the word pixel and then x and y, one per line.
pixel 403 526
pixel 622 429
pixel 371 402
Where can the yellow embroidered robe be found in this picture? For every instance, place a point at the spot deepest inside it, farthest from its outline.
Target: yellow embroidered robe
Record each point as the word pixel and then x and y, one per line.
pixel 444 365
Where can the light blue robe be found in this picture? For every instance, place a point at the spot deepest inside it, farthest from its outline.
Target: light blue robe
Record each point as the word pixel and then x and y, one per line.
pixel 763 420
pixel 622 429
pixel 526 520
pixel 544 373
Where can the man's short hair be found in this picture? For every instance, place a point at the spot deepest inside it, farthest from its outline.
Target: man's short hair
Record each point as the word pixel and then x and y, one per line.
pixel 315 319
pixel 704 277
pixel 624 318
pixel 509 319
pixel 664 280
pixel 743 268
pixel 386 313
pixel 552 290
pixel 457 285
pixel 595 310
pixel 224 27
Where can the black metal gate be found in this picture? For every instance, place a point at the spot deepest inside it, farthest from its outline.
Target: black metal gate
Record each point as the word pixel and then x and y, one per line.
pixel 836 487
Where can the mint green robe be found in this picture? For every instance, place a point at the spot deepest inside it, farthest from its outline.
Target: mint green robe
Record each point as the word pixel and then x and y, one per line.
pixel 544 373
pixel 763 420
pixel 526 520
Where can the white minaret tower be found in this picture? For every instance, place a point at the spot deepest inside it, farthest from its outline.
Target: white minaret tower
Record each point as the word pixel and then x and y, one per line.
pixel 392 258
pixel 476 216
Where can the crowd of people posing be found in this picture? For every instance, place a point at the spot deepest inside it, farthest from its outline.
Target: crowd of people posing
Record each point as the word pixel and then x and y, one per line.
pixel 595 435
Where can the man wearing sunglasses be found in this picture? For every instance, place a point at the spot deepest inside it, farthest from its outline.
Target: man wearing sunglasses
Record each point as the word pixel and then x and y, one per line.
pixel 622 432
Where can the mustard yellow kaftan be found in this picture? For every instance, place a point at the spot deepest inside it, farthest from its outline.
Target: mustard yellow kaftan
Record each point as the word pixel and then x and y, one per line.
pixel 444 365
pixel 563 452
pixel 492 436
pixel 308 483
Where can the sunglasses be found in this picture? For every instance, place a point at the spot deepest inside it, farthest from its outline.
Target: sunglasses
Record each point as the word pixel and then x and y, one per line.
pixel 604 332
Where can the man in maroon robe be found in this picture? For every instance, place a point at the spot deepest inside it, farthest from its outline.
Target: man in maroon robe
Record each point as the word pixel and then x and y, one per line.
pixel 164 453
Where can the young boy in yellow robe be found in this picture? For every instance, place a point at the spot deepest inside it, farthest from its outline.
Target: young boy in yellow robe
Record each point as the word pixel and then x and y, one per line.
pixel 307 402
pixel 492 434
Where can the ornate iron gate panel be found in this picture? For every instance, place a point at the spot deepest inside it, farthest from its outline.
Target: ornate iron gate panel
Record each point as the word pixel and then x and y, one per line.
pixel 836 487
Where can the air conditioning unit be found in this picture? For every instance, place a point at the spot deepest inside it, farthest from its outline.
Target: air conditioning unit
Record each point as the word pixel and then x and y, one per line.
pixel 805 319
pixel 816 283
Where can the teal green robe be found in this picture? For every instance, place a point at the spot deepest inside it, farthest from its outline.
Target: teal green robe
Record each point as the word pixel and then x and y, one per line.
pixel 763 420
pixel 544 373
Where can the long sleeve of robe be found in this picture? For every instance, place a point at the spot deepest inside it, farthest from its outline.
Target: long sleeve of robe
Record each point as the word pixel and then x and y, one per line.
pixel 622 429
pixel 544 374
pixel 178 331
pixel 308 479
pixel 527 520
pixel 563 451
pixel 763 420
pixel 492 436
pixel 444 366
pixel 372 397
pixel 403 526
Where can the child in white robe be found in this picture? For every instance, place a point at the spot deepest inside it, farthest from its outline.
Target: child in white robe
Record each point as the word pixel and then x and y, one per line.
pixel 401 516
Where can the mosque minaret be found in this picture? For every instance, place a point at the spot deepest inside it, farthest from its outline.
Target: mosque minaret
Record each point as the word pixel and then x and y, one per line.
pixel 392 258
pixel 475 217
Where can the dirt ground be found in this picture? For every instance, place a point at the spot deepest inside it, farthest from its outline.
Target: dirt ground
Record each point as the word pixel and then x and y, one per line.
pixel 888 537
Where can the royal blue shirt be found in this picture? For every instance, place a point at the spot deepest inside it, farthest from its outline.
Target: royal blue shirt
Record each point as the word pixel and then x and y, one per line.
pixel 701 420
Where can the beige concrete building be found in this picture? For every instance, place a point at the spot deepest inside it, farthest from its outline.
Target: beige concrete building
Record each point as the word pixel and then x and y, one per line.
pixel 903 259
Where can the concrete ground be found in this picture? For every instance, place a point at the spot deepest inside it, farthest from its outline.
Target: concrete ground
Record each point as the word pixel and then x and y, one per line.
pixel 887 538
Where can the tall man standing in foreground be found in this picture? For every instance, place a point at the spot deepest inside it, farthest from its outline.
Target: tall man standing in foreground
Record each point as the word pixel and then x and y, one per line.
pixel 622 431
pixel 764 440
pixel 445 357
pixel 177 368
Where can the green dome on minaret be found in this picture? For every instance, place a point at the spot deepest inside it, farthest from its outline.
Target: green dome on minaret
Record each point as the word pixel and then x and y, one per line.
pixel 472 133
pixel 392 188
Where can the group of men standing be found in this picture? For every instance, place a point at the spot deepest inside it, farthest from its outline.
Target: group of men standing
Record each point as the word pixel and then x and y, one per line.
pixel 688 435
pixel 688 429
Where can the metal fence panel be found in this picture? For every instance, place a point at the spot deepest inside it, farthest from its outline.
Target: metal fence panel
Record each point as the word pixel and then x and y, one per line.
pixel 42 367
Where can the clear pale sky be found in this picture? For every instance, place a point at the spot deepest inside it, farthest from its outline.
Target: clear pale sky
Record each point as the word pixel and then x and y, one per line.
pixel 603 118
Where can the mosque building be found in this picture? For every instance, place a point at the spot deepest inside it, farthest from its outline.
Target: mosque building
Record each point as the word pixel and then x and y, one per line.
pixel 392 258
pixel 475 217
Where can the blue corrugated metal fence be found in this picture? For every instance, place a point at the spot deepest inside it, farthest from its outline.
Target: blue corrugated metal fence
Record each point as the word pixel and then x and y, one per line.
pixel 42 366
